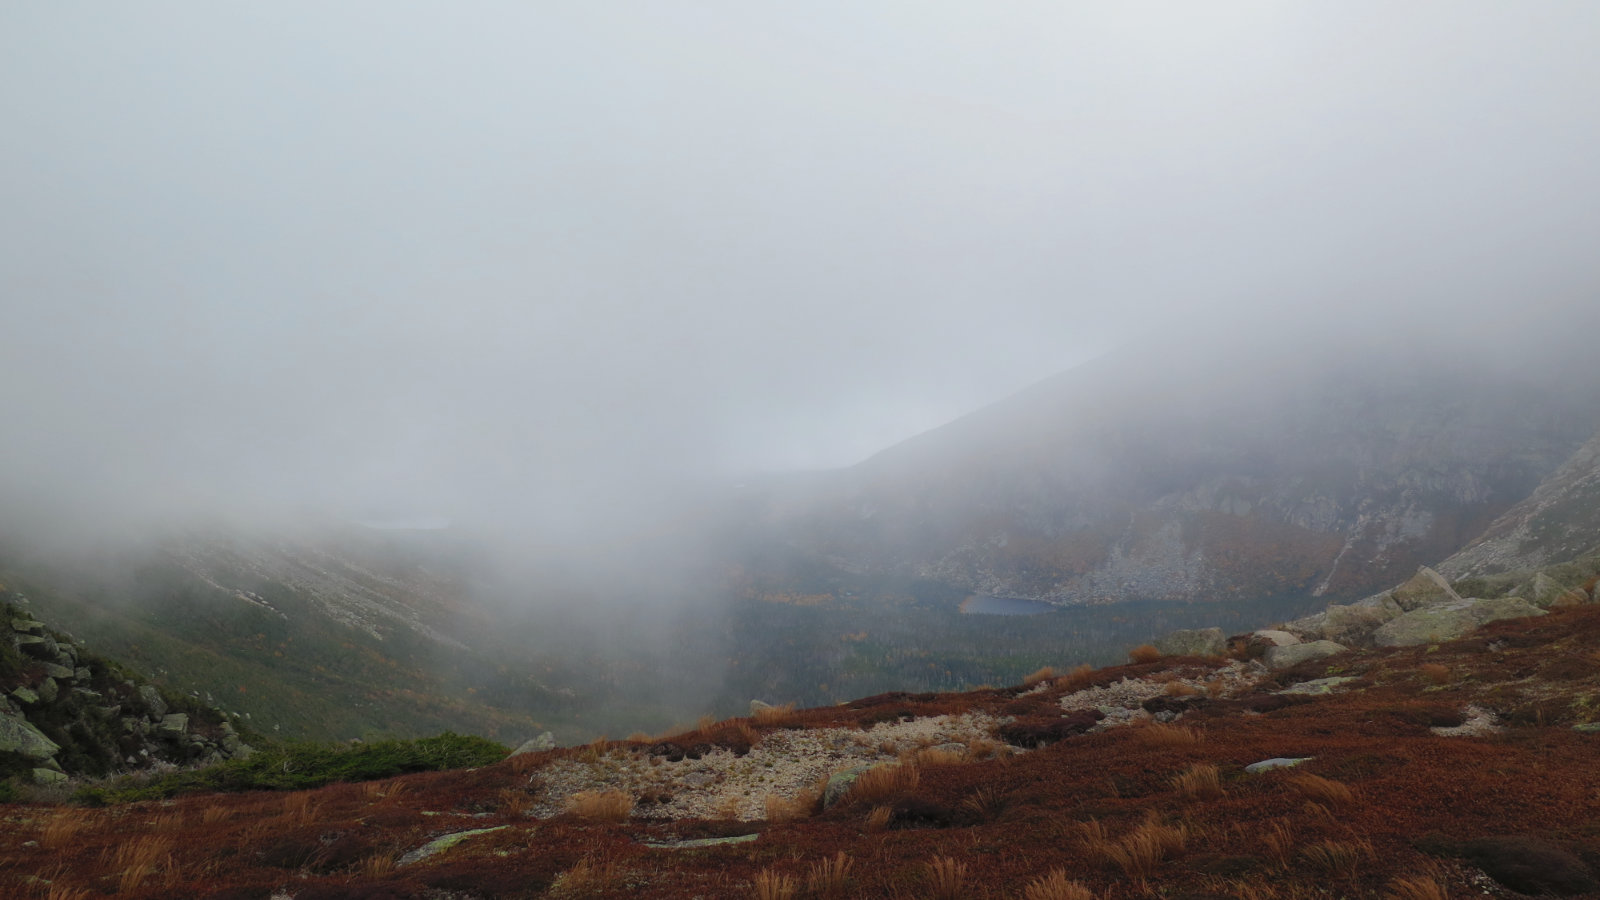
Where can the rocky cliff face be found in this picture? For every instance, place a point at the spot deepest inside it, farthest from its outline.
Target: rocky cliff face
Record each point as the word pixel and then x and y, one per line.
pixel 1136 479
pixel 65 711
pixel 1558 524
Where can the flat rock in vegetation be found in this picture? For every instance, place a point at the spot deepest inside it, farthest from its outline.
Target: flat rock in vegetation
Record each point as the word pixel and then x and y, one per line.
pixel 1319 686
pixel 1295 654
pixel 442 843
pixel 1192 642
pixel 1277 762
pixel 1447 622
pixel 840 783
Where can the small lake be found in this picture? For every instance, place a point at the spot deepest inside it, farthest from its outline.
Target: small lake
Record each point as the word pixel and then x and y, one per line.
pixel 982 605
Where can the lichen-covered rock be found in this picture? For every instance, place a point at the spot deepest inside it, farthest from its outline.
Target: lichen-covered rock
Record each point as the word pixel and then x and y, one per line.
pixel 1450 621
pixel 173 725
pixel 1546 591
pixel 18 736
pixel 152 699
pixel 1347 623
pixel 1275 638
pixel 839 784
pixel 545 741
pixel 49 690
pixel 49 777
pixel 442 843
pixel 1277 762
pixel 1426 588
pixel 1192 642
pixel 1295 654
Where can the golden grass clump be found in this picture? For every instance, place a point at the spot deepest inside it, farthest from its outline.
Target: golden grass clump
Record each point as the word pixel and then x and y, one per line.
pixel 773 885
pixel 1339 858
pixel 1079 678
pixel 595 750
pixel 216 814
pixel 986 803
pixel 1321 790
pixel 1416 887
pixel 138 858
pixel 600 806
pixel 59 891
pixel 1168 736
pixel 513 801
pixel 878 819
pixel 1435 673
pixel 1176 688
pixel 747 733
pixel 829 877
pixel 883 782
pixel 1056 886
pixel 790 809
pixel 62 827
pixel 1279 840
pixel 773 716
pixel 933 756
pixel 1042 674
pixel 1138 852
pixel 377 865
pixel 1216 687
pixel 1200 781
pixel 947 878
pixel 1144 653
pixel 586 877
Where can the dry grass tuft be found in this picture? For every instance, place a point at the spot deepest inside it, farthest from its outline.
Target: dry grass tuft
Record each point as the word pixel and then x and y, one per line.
pixel 878 819
pixel 747 733
pixel 1138 852
pixel 595 750
pixel 216 814
pixel 298 809
pixel 986 803
pixel 829 877
pixel 376 865
pixel 1216 687
pixel 1168 736
pixel 705 724
pixel 139 858
pixel 1039 675
pixel 1056 886
pixel 1079 678
pixel 59 891
pixel 773 885
pixel 883 782
pixel 1279 840
pixel 1416 887
pixel 1144 653
pixel 523 763
pixel 1436 673
pixel 932 756
pixel 600 806
pixel 947 878
pixel 585 878
pixel 169 822
pixel 1321 790
pixel 790 809
pixel 513 801
pixel 62 827
pixel 1180 689
pixel 775 716
pixel 1199 782
pixel 1338 858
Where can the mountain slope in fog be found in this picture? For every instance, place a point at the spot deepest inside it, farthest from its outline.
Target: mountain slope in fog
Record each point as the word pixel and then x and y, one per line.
pixel 1156 475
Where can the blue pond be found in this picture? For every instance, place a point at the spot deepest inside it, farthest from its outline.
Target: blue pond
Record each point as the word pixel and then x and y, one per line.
pixel 981 605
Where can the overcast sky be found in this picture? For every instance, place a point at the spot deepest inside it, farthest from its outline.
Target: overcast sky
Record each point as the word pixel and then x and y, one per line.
pixel 480 258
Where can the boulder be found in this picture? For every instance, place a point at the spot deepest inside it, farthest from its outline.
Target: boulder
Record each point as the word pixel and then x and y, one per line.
pixel 1295 654
pixel 173 725
pixel 49 690
pixel 49 777
pixel 1426 588
pixel 1319 685
pixel 27 626
pixel 1193 642
pixel 1275 638
pixel 38 646
pixel 25 695
pixel 1436 624
pixel 18 736
pixel 61 673
pixel 152 699
pixel 1347 623
pixel 545 741
pixel 1546 591
pixel 758 705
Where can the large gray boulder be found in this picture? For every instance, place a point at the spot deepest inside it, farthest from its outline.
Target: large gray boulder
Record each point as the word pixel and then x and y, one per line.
pixel 1193 642
pixel 1295 654
pixel 1426 588
pixel 18 736
pixel 173 725
pixel 1347 623
pixel 152 699
pixel 1436 624
pixel 545 741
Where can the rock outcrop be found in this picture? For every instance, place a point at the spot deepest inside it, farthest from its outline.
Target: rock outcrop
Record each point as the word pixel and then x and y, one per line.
pixel 65 712
pixel 1192 642
pixel 1449 621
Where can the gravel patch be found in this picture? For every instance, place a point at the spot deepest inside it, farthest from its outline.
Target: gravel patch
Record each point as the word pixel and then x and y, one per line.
pixel 721 785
